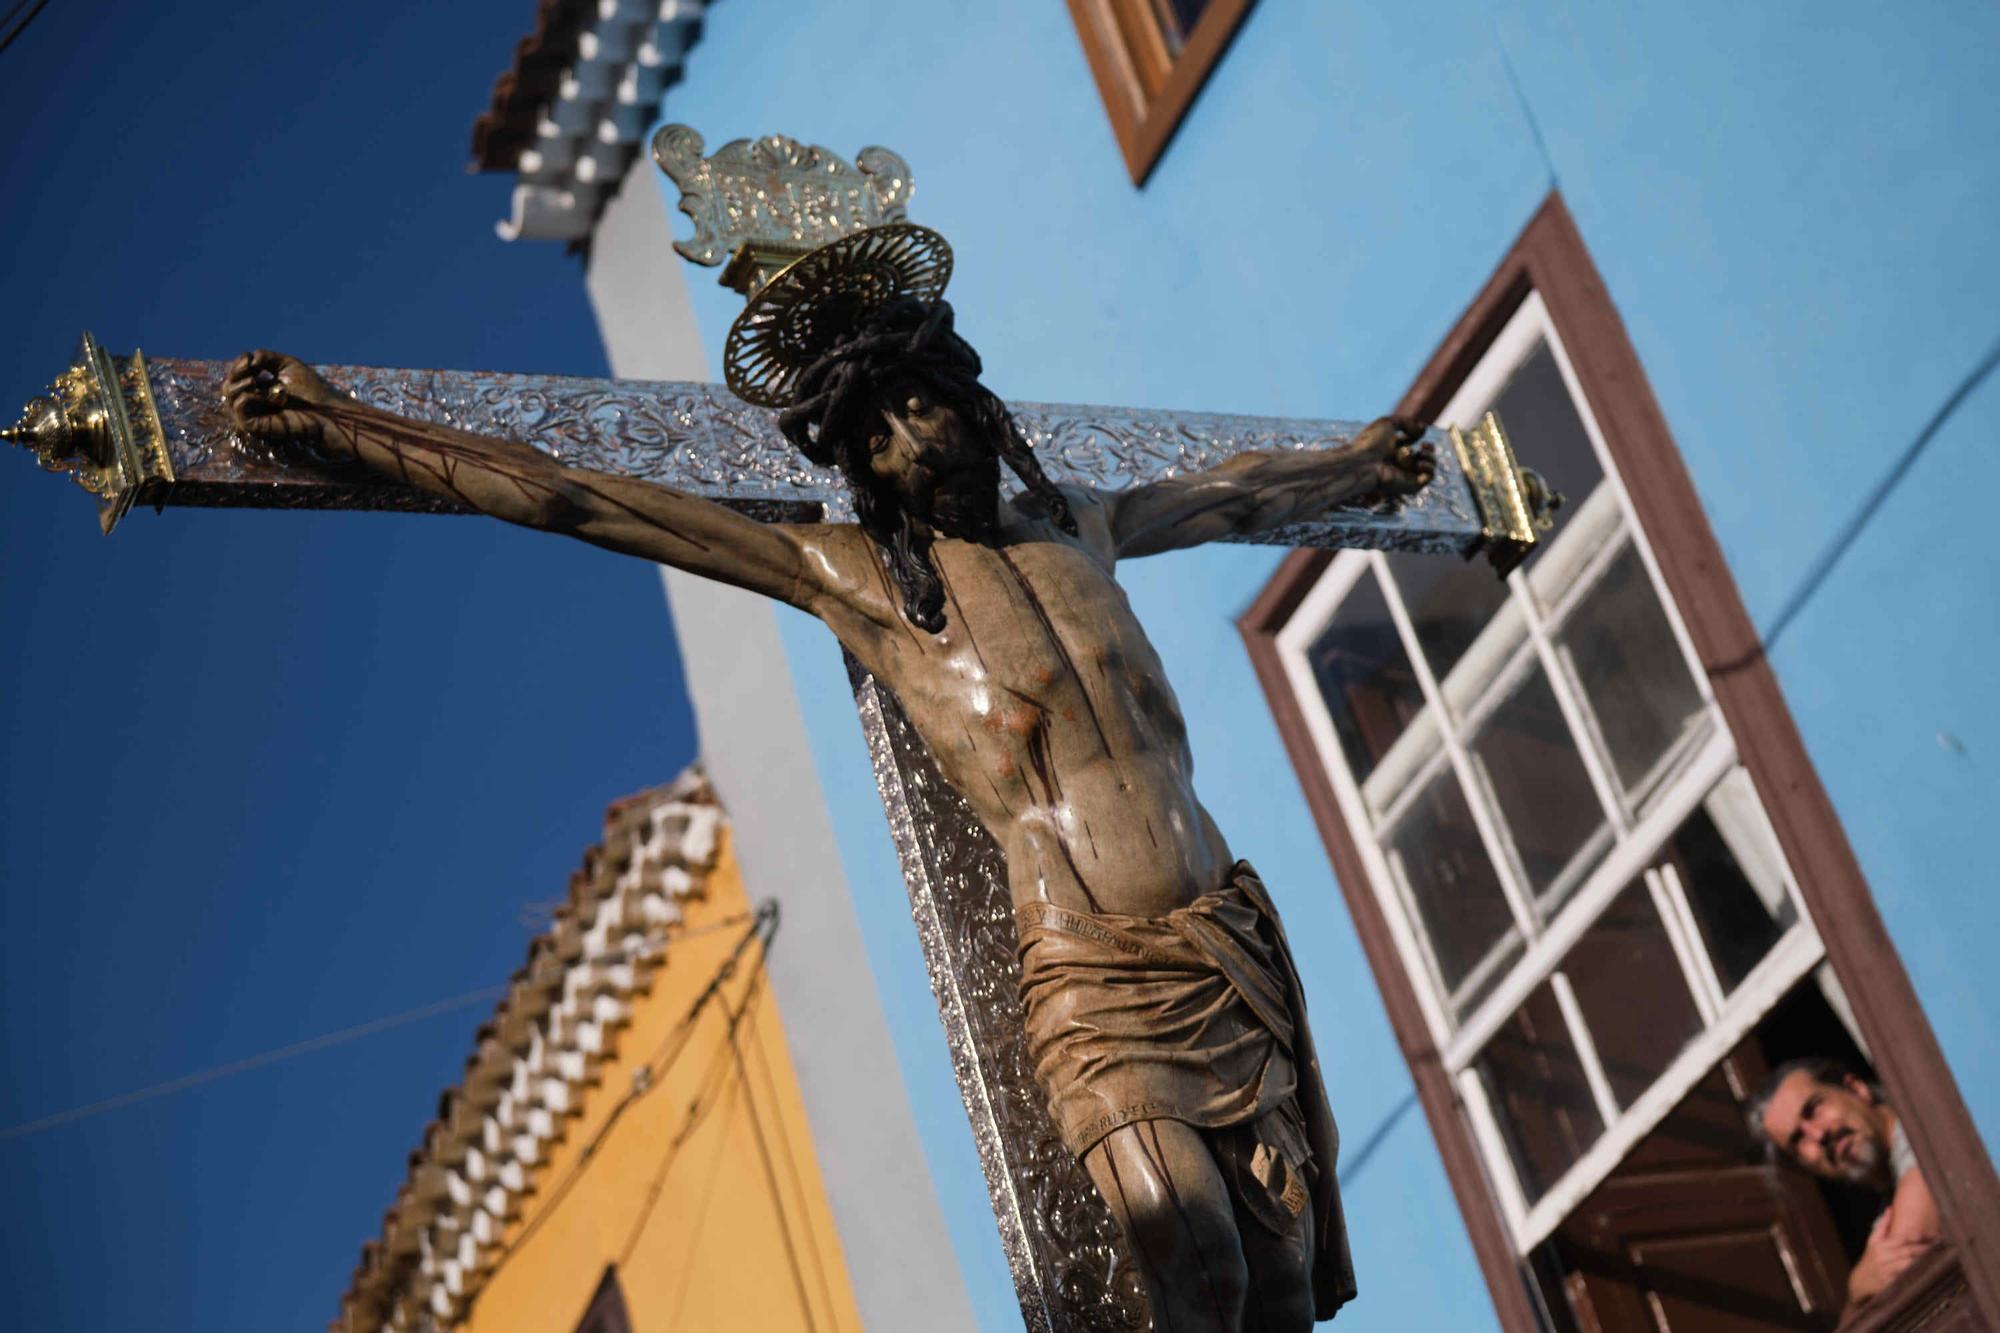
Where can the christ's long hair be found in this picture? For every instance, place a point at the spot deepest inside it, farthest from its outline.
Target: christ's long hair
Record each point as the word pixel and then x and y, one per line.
pixel 839 405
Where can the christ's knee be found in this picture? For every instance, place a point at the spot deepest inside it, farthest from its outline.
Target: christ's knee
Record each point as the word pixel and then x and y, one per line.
pixel 1280 1274
pixel 1195 1264
pixel 1177 1214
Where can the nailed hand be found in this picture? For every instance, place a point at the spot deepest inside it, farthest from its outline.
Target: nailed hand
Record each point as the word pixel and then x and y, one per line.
pixel 273 397
pixel 1403 463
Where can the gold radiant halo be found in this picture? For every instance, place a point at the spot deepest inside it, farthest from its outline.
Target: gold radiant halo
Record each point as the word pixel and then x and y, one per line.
pixel 796 316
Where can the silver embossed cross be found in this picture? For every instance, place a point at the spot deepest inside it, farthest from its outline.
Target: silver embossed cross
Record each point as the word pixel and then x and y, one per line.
pixel 808 239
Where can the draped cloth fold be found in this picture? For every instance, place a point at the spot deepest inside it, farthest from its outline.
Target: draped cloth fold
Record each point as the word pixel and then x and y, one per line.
pixel 1195 1016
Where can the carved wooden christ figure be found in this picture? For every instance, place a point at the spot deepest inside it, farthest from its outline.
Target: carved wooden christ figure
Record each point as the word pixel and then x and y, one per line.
pixel 1162 1007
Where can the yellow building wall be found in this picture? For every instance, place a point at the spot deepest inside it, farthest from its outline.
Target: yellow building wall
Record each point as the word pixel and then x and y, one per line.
pixel 707 1230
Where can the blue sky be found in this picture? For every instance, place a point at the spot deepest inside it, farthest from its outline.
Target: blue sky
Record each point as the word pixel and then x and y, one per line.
pixel 272 775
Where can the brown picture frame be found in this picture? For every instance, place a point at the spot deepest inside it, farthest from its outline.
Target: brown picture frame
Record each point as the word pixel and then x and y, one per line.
pixel 1147 89
pixel 1549 257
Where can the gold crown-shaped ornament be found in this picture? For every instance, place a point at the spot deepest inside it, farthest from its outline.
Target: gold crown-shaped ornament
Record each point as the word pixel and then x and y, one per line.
pixel 814 242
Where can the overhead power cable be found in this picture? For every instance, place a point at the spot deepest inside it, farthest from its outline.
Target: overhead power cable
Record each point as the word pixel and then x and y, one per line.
pixel 694 1221
pixel 713 1085
pixel 763 926
pixel 777 1194
pixel 753 1039
pixel 248 1063
pixel 18 28
pixel 306 1047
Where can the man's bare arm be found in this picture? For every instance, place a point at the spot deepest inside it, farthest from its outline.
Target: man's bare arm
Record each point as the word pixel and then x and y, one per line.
pixel 1884 1259
pixel 1913 1213
pixel 1906 1229
pixel 278 398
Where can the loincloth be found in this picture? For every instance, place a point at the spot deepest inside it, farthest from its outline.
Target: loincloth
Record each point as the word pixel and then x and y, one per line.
pixel 1180 1017
pixel 1194 1016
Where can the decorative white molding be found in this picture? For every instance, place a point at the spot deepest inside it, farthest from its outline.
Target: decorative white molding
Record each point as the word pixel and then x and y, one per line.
pixel 552 1031
pixel 589 132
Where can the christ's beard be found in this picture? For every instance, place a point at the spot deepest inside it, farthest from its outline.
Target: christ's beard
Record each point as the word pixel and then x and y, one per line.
pixel 963 504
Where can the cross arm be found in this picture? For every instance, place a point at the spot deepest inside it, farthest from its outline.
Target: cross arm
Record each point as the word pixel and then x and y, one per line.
pixel 139 430
pixel 1259 491
pixel 280 401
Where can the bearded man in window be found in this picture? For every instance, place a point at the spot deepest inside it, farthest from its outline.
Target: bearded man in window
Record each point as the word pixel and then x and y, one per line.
pixel 1836 1125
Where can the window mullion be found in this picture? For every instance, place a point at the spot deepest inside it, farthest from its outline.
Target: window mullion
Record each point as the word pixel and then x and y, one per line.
pixel 1413 649
pixel 1790 958
pixel 1587 575
pixel 1496 959
pixel 1582 728
pixel 1490 835
pixel 1320 605
pixel 1392 813
pixel 1420 938
pixel 1696 668
pixel 1500 1171
pixel 1586 1049
pixel 1670 898
pixel 1589 419
pixel 1619 867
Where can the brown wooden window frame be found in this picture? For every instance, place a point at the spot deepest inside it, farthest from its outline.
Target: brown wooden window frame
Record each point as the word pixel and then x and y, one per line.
pixel 1146 86
pixel 1549 258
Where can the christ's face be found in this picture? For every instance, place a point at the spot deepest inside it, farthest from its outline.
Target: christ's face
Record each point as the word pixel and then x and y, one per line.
pixel 931 459
pixel 1831 1129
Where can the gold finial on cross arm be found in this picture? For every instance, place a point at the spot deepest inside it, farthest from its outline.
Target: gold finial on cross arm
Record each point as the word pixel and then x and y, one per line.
pixel 1515 504
pixel 98 423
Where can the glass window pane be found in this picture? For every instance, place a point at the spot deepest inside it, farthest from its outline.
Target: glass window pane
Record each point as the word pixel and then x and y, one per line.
pixel 1629 665
pixel 1455 897
pixel 1538 780
pixel 1178 17
pixel 1633 993
pixel 1364 675
pixel 1449 601
pixel 1738 901
pixel 1540 1098
pixel 1499 646
pixel 1543 426
pixel 1581 535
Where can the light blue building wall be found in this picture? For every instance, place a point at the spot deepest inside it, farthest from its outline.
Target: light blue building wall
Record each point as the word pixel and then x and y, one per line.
pixel 1792 207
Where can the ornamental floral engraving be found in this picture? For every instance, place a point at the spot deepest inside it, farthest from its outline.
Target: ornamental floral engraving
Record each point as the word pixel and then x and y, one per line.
pixel 777 192
pixel 701 439
pixel 1071 1269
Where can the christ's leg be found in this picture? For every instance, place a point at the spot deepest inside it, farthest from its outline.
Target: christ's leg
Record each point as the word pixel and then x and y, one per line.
pixel 1163 1187
pixel 1267 1164
pixel 1280 1268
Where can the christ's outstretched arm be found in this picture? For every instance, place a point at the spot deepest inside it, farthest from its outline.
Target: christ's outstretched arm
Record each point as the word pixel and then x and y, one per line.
pixel 279 398
pixel 1255 492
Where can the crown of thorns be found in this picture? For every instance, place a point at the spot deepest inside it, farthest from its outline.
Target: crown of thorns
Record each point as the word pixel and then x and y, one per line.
pixel 831 407
pixel 814 302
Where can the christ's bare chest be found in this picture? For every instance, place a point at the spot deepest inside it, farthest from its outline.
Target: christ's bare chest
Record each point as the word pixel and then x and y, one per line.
pixel 1041 676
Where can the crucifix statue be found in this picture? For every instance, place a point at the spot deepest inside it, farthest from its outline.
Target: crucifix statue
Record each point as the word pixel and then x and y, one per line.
pixel 1031 751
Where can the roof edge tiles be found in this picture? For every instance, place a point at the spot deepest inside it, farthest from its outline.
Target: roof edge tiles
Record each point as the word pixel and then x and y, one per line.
pixel 568 115
pixel 556 1025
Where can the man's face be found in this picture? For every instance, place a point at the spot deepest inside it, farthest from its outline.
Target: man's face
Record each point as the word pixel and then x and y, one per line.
pixel 928 457
pixel 1830 1129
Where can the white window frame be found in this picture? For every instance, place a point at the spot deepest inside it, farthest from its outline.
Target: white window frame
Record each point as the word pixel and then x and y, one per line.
pixel 1638 825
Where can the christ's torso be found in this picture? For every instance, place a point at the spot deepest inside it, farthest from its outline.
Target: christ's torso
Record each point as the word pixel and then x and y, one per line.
pixel 1046 706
